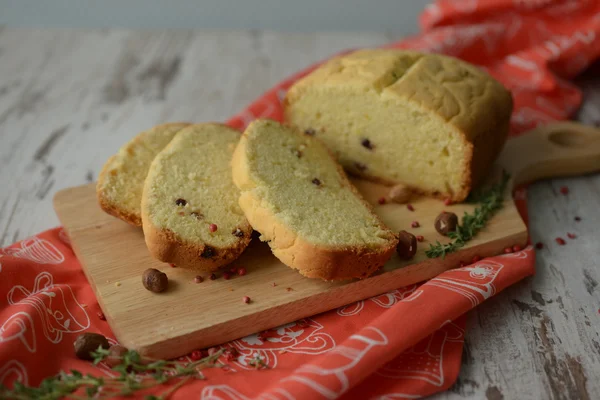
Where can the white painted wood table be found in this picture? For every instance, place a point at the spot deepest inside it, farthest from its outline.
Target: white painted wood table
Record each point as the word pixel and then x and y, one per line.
pixel 70 99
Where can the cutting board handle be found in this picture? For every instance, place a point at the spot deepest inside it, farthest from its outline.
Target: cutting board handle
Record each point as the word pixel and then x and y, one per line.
pixel 552 151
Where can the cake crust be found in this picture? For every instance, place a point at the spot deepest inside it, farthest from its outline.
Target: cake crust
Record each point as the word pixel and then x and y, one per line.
pixel 166 245
pixel 456 95
pixel 331 263
pixel 115 206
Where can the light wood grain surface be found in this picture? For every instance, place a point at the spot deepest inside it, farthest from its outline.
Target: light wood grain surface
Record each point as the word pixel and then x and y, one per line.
pixel 114 256
pixel 69 99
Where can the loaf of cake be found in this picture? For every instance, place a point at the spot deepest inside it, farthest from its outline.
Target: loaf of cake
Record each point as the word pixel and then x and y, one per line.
pixel 300 200
pixel 431 122
pixel 190 211
pixel 121 181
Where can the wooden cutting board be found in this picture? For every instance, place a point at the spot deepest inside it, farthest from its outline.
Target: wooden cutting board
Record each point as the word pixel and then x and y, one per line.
pixel 191 316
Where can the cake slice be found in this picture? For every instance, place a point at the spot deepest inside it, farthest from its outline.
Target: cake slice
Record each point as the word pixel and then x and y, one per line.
pixel 121 181
pixel 299 199
pixel 190 211
pixel 431 122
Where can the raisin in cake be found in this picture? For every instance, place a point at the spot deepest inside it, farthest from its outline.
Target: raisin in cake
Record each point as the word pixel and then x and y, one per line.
pixel 190 211
pixel 299 199
pixel 431 122
pixel 121 181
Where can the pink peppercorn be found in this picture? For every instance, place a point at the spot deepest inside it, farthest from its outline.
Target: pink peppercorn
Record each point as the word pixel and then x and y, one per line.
pixel 173 265
pixel 564 190
pixel 212 227
pixel 577 219
pixel 508 250
pixel 101 316
pixel 560 241
pixel 571 235
pixel 420 238
pixel 516 248
pixel 246 299
pixel 539 245
pixel 410 207
pixel 241 271
pixel 212 277
pixel 447 202
pixel 196 355
pixel 415 224
pixel 226 276
pixel 198 279
pixel 381 200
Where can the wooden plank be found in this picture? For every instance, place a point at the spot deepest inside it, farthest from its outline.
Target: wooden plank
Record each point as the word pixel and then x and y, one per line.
pixel 190 316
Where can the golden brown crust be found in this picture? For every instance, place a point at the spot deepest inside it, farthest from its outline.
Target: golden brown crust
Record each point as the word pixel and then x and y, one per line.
pixel 310 260
pixel 165 246
pixel 463 96
pixel 114 208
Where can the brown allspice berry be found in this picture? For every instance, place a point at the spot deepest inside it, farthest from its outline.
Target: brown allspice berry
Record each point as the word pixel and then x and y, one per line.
pixel 400 194
pixel 155 280
pixel 87 343
pixel 407 245
pixel 446 222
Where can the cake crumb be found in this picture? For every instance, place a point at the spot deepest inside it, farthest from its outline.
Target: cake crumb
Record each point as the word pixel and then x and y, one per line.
pixel 118 284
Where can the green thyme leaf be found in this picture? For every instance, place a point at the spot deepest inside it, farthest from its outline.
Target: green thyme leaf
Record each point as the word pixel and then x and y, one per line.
pixel 490 200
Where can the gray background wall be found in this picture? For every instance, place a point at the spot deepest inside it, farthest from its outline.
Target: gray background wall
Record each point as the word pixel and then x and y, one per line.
pixel 395 16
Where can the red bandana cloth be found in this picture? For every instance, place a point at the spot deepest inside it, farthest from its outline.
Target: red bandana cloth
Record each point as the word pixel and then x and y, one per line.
pixel 400 345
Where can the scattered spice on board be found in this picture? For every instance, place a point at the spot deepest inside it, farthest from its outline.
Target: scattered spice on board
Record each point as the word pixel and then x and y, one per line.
pixel 489 201
pixel 155 280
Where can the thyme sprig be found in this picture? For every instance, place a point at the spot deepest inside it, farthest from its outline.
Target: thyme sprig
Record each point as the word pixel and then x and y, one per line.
pixel 490 200
pixel 135 373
